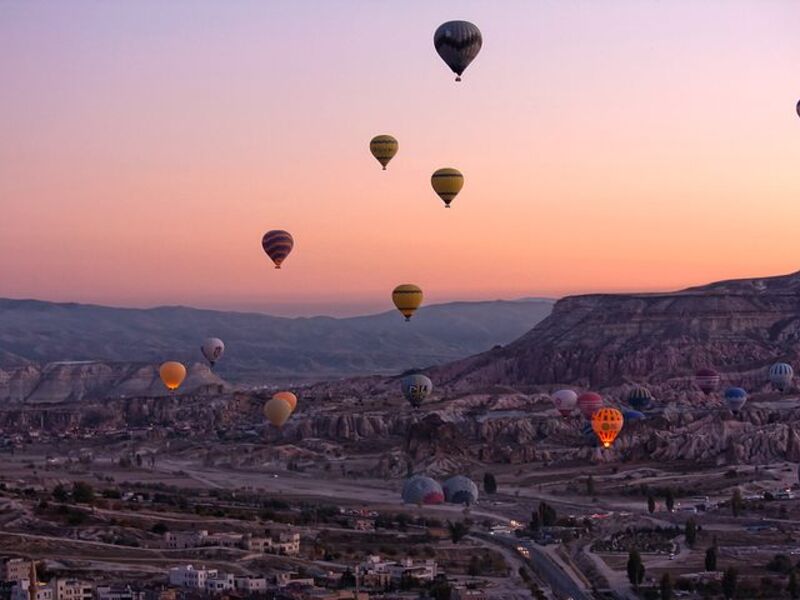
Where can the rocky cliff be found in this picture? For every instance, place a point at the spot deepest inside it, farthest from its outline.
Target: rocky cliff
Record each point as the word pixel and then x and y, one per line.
pixel 607 339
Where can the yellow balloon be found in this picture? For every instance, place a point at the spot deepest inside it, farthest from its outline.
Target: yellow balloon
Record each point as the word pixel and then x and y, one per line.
pixel 447 183
pixel 172 374
pixel 277 411
pixel 407 298
pixel 288 397
pixel 383 148
pixel 607 423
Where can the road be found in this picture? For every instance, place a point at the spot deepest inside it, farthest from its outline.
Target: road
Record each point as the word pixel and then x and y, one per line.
pixel 559 581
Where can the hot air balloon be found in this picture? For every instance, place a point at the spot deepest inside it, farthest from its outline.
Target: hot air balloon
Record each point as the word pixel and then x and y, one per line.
pixel 277 244
pixel 172 374
pixel 735 398
pixel 447 183
pixel 460 490
pixel 640 398
pixel 458 43
pixel 797 108
pixel 607 423
pixel 289 397
pixel 383 148
pixel 422 490
pixel 277 411
pixel 416 387
pixel 588 403
pixel 407 298
pixel 212 349
pixel 565 401
pixel 781 375
pixel 707 380
pixel 629 416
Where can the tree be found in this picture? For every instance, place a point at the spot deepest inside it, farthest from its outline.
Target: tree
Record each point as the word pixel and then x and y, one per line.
pixel 590 485
pixel 347 580
pixel 729 583
pixel 82 492
pixel 160 528
pixel 651 504
pixel 666 587
pixel 669 499
pixel 457 530
pixel 736 502
pixel 711 558
pixel 534 524
pixel 474 568
pixel 792 587
pixel 690 532
pixel 635 568
pixel 547 515
pixel 489 483
pixel 60 493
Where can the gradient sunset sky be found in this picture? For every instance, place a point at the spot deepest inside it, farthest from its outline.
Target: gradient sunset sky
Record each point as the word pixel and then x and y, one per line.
pixel 612 145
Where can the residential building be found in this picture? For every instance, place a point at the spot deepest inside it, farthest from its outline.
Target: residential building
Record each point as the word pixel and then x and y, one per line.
pixel 15 569
pixel 251 584
pixel 219 582
pixel 180 540
pixel 287 543
pixel 379 572
pixel 71 589
pixel 117 592
pixel 188 577
pixel 22 591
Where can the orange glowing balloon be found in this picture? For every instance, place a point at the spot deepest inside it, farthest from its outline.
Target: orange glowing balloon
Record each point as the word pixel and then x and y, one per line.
pixel 607 423
pixel 172 374
pixel 277 411
pixel 289 397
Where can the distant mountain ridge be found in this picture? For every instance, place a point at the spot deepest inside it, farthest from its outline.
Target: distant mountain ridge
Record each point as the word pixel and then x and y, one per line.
pixel 260 348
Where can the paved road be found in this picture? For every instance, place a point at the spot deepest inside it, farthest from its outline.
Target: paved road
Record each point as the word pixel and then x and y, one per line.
pixel 558 580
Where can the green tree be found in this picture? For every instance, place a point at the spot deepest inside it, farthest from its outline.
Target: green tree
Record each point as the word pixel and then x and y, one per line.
pixel 60 493
pixel 489 483
pixel 474 568
pixel 736 502
pixel 729 583
pixel 347 580
pixel 590 486
pixel 635 568
pixel 651 504
pixel 160 528
pixel 792 587
pixel 669 499
pixel 690 532
pixel 666 587
pixel 458 530
pixel 711 558
pixel 82 492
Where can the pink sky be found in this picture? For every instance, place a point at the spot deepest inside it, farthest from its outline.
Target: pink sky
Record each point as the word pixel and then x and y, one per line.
pixel 620 145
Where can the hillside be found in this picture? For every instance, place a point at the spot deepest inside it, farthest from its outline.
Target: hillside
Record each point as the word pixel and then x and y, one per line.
pixel 738 327
pixel 260 348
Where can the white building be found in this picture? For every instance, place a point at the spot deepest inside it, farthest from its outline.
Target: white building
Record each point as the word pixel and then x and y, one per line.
pixel 189 577
pixel 180 540
pixel 374 566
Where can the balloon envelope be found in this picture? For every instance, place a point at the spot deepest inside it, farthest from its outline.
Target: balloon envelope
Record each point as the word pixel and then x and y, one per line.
pixel 422 490
pixel 607 423
pixel 781 375
pixel 277 411
pixel 629 416
pixel 460 490
pixel 588 402
pixel 289 397
pixel 407 298
pixel 416 387
pixel 212 349
pixel 735 398
pixel 640 398
pixel 457 43
pixel 447 183
pixel 565 401
pixel 277 244
pixel 172 374
pixel 707 380
pixel 383 148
